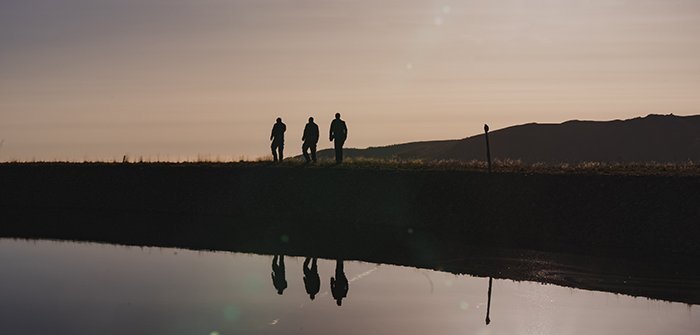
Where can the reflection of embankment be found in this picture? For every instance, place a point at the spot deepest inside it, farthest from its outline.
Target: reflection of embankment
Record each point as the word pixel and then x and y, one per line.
pixel 435 219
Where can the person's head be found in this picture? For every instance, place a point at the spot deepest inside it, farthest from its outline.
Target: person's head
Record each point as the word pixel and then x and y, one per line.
pixel 337 115
pixel 312 296
pixel 280 291
pixel 339 301
pixel 311 119
pixel 279 119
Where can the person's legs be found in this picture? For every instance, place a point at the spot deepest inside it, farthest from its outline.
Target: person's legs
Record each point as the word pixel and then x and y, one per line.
pixel 338 151
pixel 341 150
pixel 339 268
pixel 274 151
pixel 304 148
pixel 313 152
pixel 281 151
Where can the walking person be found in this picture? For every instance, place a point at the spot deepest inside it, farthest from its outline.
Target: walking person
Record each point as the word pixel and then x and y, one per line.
pixel 339 133
pixel 277 138
pixel 310 139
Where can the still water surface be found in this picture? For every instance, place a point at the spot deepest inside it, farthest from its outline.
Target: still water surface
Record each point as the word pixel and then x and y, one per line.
pixel 86 288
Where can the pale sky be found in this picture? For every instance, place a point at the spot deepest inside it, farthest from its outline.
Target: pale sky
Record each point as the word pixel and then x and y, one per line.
pixel 173 79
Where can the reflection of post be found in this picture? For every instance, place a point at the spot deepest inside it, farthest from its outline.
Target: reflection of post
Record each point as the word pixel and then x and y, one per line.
pixel 488 304
pixel 488 149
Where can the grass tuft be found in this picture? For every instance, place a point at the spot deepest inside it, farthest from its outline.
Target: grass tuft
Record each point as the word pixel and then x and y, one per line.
pixel 498 165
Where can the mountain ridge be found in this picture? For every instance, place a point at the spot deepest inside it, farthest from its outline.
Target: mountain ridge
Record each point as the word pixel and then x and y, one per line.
pixel 653 138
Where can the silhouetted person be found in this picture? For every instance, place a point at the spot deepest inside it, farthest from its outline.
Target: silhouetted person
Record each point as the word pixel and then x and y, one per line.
pixel 311 279
pixel 278 276
pixel 310 139
pixel 488 305
pixel 277 138
pixel 339 284
pixel 339 133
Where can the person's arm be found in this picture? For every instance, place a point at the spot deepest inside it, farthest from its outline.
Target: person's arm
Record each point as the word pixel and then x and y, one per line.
pixel 345 128
pixel 331 132
pixel 272 133
pixel 303 137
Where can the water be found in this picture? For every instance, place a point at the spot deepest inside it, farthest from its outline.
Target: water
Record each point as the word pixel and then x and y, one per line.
pixel 85 288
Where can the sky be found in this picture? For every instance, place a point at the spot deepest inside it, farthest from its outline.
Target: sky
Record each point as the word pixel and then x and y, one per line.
pixel 178 79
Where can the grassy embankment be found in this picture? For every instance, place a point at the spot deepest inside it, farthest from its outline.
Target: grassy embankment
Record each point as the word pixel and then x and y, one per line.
pixel 587 209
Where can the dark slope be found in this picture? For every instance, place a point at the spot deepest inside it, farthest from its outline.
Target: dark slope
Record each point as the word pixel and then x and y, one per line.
pixel 655 138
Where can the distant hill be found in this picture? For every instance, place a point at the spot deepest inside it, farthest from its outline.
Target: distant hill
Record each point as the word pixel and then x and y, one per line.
pixel 654 138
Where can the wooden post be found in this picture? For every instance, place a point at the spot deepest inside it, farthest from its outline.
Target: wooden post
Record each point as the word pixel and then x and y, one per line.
pixel 488 160
pixel 488 305
pixel 488 149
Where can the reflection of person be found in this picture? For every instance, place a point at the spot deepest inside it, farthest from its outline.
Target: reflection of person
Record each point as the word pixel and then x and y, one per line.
pixel 278 276
pixel 277 138
pixel 310 139
pixel 311 278
pixel 339 133
pixel 339 284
